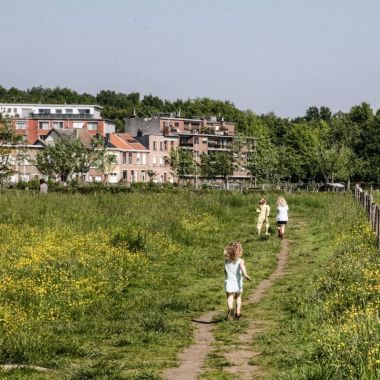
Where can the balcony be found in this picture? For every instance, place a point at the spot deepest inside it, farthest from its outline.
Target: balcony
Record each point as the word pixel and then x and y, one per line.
pixel 62 116
pixel 218 147
pixel 186 144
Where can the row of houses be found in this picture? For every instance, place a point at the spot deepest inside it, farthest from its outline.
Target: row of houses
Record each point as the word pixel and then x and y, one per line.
pixel 141 152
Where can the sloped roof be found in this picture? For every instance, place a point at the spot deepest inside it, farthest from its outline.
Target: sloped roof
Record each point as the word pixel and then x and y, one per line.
pixel 81 134
pixel 126 142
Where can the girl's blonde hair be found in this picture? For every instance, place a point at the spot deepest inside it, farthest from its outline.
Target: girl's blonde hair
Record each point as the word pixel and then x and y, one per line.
pixel 281 201
pixel 233 251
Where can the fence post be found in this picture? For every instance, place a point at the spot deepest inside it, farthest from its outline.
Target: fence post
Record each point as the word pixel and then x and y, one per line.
pixel 372 210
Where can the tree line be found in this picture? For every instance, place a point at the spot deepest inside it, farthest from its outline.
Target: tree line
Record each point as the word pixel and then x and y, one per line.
pixel 317 146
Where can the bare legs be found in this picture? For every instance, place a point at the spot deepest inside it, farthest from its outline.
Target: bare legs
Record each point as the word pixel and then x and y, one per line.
pixel 281 230
pixel 230 305
pixel 260 226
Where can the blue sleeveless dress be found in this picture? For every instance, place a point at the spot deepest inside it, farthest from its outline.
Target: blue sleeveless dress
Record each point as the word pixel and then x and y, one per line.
pixel 234 278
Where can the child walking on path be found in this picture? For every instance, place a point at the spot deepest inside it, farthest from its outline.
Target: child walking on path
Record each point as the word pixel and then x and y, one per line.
pixel 263 211
pixel 234 269
pixel 282 216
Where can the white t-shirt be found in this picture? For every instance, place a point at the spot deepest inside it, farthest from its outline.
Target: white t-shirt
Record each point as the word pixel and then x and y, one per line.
pixel 282 215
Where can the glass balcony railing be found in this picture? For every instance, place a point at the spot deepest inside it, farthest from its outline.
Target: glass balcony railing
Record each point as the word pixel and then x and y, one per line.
pixel 76 116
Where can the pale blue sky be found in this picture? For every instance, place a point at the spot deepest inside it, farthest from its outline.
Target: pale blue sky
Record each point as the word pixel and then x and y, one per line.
pixel 266 55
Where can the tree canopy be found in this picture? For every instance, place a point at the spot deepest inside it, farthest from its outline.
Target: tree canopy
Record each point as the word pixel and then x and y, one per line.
pixel 319 145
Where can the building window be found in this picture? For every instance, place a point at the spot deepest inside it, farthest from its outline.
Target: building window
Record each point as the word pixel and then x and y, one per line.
pixel 58 124
pixel 84 111
pixel 143 176
pixel 125 175
pixel 165 145
pixel 176 124
pixel 161 145
pixel 143 155
pixel 45 111
pixel 171 144
pixel 134 175
pixel 20 124
pixel 78 124
pixel 92 126
pixel 25 177
pixel 58 111
pixel 124 158
pixel 154 160
pixel 43 125
pixel 129 158
pixel 162 163
pixel 138 160
pixel 154 145
pixel 69 111
pixel 196 140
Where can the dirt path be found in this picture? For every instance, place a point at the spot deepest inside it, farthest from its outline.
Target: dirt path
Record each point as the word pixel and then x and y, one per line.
pixel 192 358
pixel 241 354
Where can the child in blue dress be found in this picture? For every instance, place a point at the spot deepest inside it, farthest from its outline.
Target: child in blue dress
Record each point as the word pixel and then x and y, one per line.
pixel 234 269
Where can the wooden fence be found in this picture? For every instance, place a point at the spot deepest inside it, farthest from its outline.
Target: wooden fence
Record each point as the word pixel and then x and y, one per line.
pixel 372 209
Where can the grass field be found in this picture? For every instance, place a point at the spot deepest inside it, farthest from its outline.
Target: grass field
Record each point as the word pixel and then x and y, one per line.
pixel 104 286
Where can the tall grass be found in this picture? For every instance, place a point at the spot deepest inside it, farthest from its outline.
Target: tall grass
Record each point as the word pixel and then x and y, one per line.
pixel 326 311
pixel 106 284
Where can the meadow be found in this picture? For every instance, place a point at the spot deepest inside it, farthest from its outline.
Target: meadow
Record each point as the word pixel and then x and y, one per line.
pixel 104 286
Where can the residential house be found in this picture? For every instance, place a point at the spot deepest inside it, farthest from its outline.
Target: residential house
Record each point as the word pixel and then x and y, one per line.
pixel 132 159
pixel 34 121
pixel 22 159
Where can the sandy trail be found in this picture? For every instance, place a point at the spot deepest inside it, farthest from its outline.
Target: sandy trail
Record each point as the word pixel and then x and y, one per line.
pixel 192 358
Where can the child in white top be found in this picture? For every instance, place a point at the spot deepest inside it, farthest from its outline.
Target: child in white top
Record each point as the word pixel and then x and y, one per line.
pixel 234 269
pixel 282 216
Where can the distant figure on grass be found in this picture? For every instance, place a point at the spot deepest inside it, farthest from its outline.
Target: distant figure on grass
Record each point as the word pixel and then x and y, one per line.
pixel 43 186
pixel 234 269
pixel 358 187
pixel 282 216
pixel 263 211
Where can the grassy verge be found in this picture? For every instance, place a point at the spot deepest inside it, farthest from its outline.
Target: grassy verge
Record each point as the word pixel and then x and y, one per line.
pixel 104 286
pixel 325 313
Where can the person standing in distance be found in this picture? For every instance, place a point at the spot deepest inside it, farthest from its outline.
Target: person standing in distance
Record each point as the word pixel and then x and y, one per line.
pixel 282 216
pixel 263 218
pixel 43 186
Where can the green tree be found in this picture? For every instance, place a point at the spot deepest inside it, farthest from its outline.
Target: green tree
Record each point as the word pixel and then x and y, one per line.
pixel 222 164
pixel 101 158
pixel 9 142
pixel 182 163
pixel 151 174
pixel 217 164
pixel 66 157
pixel 263 161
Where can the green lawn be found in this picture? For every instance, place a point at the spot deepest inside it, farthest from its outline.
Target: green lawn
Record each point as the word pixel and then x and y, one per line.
pixel 104 286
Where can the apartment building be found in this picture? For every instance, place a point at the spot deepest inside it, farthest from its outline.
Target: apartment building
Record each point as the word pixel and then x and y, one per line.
pixel 204 135
pixel 199 135
pixel 34 121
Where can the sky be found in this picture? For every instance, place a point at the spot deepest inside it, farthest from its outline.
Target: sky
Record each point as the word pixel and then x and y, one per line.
pixel 279 56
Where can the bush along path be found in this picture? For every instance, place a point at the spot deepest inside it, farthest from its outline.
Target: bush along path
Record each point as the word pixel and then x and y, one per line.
pixel 193 358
